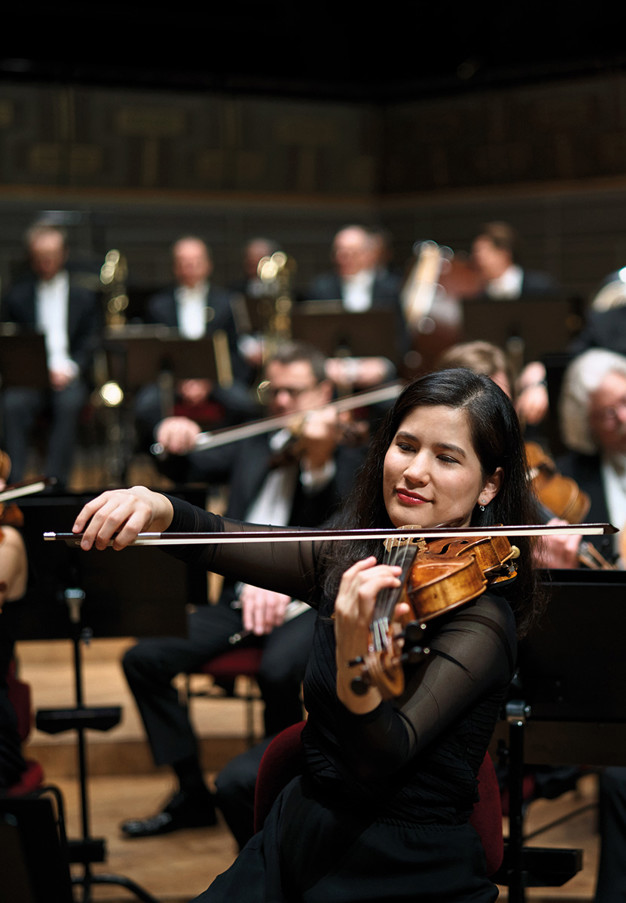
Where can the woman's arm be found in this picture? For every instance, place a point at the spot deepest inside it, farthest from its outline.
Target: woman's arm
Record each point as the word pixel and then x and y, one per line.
pixel 118 516
pixel 471 657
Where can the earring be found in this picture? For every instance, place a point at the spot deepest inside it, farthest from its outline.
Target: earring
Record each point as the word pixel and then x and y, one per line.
pixel 480 505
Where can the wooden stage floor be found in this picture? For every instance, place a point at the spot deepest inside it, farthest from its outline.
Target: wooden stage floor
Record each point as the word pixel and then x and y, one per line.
pixel 123 783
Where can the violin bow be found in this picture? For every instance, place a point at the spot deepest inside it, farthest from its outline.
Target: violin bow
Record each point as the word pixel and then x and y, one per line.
pixel 229 434
pixel 28 487
pixel 165 539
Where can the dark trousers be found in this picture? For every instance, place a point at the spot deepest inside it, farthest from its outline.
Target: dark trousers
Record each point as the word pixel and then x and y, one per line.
pixel 20 408
pixel 151 665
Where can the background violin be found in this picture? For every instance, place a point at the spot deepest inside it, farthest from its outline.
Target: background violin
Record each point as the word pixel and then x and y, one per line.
pixel 560 496
pixel 10 514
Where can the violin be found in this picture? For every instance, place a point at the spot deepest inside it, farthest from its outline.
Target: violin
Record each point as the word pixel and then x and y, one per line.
pixel 560 496
pixel 439 577
pixel 10 515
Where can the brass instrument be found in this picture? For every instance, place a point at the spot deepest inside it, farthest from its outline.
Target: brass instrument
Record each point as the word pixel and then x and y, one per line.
pixel 432 311
pixel 276 273
pixel 113 276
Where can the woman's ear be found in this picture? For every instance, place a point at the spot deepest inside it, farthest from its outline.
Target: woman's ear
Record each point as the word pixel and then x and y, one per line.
pixel 491 487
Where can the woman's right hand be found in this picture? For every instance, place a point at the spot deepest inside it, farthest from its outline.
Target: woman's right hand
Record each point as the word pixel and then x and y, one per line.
pixel 116 517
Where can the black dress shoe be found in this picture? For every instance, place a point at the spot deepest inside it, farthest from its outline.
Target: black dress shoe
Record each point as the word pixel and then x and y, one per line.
pixel 180 812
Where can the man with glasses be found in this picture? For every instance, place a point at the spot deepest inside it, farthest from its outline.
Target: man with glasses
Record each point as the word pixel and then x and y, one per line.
pixel 272 478
pixel 593 428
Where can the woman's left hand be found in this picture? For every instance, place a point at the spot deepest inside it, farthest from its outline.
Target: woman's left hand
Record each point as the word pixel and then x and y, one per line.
pixel 354 609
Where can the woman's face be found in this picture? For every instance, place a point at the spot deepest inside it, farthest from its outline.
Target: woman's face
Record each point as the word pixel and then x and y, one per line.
pixel 432 475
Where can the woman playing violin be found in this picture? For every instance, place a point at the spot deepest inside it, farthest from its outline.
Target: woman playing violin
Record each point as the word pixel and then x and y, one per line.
pixel 381 810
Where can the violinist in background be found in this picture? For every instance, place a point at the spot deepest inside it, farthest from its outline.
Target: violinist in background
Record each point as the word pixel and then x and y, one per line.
pixel 381 810
pixel 13 582
pixel 271 480
pixel 592 418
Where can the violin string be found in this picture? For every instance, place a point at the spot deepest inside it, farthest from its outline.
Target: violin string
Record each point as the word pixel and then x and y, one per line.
pixel 395 554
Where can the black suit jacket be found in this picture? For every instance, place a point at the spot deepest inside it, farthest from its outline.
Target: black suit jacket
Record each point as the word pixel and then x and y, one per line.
pixel 162 308
pixel 603 329
pixel 386 290
pixel 83 318
pixel 244 465
pixel 585 470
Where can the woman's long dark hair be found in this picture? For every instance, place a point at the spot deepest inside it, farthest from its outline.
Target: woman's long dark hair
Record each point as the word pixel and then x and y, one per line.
pixel 498 442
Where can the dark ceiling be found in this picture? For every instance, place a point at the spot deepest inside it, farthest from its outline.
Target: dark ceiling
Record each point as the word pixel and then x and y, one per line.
pixel 379 53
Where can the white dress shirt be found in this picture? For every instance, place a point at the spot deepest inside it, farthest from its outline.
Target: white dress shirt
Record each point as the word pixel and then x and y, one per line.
pixel 51 306
pixel 508 285
pixel 357 291
pixel 191 304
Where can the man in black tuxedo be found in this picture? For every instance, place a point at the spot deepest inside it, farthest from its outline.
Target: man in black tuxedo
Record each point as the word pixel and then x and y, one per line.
pixel 362 281
pixel 196 307
pixel 68 315
pixel 495 255
pixel 267 485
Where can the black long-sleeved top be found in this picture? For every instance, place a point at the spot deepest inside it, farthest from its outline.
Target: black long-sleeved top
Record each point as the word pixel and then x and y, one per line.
pixel 414 758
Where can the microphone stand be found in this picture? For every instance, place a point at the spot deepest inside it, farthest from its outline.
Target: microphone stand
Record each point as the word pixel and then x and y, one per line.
pixel 87 849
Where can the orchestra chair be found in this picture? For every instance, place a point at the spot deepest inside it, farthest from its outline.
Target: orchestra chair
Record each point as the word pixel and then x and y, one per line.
pixel 34 855
pixel 283 760
pixel 19 693
pixel 235 672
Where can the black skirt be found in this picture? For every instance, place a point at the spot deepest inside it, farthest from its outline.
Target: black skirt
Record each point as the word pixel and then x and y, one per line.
pixel 311 853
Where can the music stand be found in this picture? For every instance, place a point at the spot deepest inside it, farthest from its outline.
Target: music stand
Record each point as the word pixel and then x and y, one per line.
pixel 526 328
pixel 340 333
pixel 124 595
pixel 560 711
pixel 140 355
pixel 23 360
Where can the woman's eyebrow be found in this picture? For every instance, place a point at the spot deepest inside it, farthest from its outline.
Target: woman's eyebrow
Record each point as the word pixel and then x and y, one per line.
pixel 447 446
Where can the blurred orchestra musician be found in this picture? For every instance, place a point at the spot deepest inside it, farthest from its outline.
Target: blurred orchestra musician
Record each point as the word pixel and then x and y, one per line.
pixel 605 320
pixel 68 315
pixel 362 280
pixel 592 417
pixel 495 257
pixel 252 302
pixel 270 481
pixel 196 307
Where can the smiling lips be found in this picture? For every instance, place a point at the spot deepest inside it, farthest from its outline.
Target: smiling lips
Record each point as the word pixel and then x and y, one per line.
pixel 406 497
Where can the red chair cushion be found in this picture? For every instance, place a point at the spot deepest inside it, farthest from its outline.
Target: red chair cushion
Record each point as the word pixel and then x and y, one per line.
pixel 231 664
pixel 282 761
pixel 19 696
pixel 486 816
pixel 31 779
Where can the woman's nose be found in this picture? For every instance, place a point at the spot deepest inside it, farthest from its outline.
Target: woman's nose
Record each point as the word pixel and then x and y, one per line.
pixel 417 471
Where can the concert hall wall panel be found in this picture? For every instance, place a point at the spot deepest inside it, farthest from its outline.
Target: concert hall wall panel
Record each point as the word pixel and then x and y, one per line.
pixel 134 168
